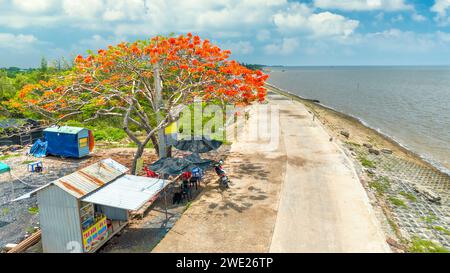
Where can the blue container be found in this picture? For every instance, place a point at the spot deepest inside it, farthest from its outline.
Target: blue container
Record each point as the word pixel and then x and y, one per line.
pixel 67 141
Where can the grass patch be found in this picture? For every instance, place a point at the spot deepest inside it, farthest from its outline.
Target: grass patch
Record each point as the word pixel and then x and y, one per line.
pixel 5 211
pixel 442 229
pixel 27 162
pixel 366 162
pixel 30 230
pixel 4 157
pixel 429 219
pixel 102 130
pixel 397 202
pixel 425 246
pixel 380 185
pixel 33 210
pixel 411 197
pixel 353 144
pixel 188 205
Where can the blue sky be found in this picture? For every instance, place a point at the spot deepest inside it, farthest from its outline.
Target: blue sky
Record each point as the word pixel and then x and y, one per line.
pixel 310 32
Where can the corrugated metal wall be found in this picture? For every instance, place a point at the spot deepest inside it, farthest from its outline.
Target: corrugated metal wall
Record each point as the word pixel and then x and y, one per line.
pixel 59 220
pixel 113 213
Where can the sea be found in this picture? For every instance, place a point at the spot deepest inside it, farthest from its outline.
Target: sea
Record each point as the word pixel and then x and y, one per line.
pixel 410 104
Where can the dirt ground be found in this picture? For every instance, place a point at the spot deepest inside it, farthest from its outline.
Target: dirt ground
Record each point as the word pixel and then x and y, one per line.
pixel 19 219
pixel 142 234
pixel 240 219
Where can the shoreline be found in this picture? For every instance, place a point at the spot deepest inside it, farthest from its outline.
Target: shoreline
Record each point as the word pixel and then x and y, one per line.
pixel 429 162
pixel 410 196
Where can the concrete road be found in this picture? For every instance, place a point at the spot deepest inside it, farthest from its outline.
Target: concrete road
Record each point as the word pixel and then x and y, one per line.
pixel 291 192
pixel 323 206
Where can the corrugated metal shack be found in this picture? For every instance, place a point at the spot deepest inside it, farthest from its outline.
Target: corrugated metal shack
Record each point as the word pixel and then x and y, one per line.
pixel 81 211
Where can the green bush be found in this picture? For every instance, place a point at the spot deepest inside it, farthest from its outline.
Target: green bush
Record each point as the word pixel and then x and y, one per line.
pixel 102 130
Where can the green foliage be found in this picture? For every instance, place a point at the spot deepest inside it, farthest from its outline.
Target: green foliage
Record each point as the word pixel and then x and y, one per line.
pixel 442 229
pixel 429 219
pixel 419 245
pixel 5 211
pixel 366 162
pixel 253 66
pixel 353 144
pixel 397 202
pixel 103 130
pixel 33 210
pixel 4 157
pixel 381 185
pixel 13 79
pixel 27 162
pixel 411 197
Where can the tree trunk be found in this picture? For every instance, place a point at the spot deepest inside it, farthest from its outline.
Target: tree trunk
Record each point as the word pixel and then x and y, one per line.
pixel 137 155
pixel 154 140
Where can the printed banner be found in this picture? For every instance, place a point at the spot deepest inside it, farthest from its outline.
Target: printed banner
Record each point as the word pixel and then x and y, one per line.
pixel 95 234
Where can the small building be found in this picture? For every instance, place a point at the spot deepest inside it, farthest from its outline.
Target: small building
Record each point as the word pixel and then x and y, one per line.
pixel 69 141
pixel 82 211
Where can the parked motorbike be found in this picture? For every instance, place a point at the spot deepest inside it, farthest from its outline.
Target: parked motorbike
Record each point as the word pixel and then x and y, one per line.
pixel 223 177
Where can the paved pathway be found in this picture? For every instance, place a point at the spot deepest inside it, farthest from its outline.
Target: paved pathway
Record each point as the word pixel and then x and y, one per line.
pixel 301 195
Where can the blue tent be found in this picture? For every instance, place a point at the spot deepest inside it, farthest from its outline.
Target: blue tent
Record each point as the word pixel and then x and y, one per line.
pixel 67 141
pixel 4 168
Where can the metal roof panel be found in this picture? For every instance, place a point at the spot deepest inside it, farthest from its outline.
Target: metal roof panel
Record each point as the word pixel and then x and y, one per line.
pixel 64 129
pixel 127 192
pixel 90 178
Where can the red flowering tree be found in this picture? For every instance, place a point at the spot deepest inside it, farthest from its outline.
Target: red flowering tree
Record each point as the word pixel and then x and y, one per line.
pixel 145 83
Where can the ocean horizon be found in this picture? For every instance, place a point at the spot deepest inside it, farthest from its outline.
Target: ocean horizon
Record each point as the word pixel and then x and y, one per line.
pixel 409 104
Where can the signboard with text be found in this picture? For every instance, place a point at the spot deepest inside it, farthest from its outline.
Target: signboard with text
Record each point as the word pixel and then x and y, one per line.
pixel 95 234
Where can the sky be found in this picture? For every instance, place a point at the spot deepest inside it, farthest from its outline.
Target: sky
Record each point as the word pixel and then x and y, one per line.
pixel 272 32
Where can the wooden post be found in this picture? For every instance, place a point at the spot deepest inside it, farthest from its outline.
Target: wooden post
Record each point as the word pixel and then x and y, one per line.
pixel 159 104
pixel 12 185
pixel 165 204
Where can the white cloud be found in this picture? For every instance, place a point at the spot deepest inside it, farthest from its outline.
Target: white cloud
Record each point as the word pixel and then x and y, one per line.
pixel 82 9
pixel 239 48
pixel 329 24
pixel 418 17
pixel 363 5
pixel 395 40
pixel 9 40
pixel 443 36
pixel 398 18
pixel 300 17
pixel 263 35
pixel 220 18
pixel 34 6
pixel 285 47
pixel 442 7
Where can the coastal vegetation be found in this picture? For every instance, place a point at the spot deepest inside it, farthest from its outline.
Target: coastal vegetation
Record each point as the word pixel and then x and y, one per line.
pixel 143 86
